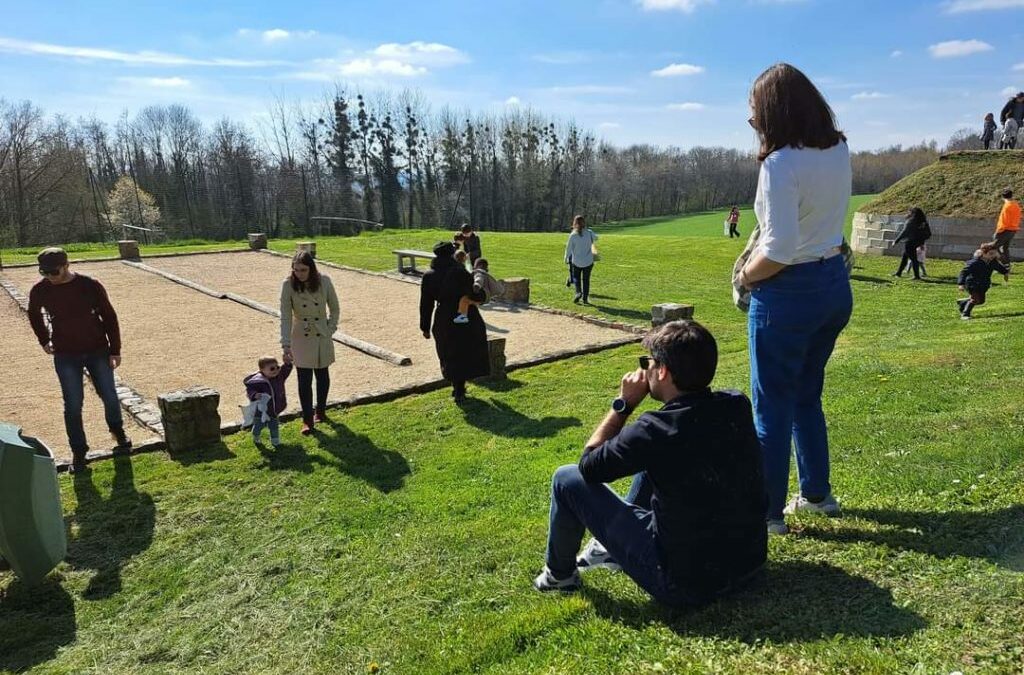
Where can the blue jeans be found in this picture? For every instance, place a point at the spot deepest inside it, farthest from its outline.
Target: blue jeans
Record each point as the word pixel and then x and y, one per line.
pixel 69 369
pixel 624 526
pixel 272 424
pixel 794 320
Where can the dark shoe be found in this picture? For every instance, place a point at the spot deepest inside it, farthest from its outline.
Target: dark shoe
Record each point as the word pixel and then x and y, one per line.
pixel 78 461
pixel 4 565
pixel 124 444
pixel 460 397
pixel 897 275
pixel 577 299
pixel 307 427
pixel 320 416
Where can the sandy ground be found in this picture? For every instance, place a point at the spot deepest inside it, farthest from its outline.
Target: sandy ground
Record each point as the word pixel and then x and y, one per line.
pixel 174 337
pixel 385 312
pixel 30 393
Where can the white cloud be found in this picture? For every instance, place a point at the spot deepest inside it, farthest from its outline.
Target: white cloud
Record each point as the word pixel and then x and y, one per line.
pixel 372 67
pixel 896 53
pixel 563 58
pixel 955 48
pixel 512 100
pixel 868 95
pixel 961 6
pixel 609 125
pixel 677 70
pixel 277 34
pixel 689 106
pixel 158 82
pixel 13 46
pixel 586 89
pixel 685 6
pixel 421 53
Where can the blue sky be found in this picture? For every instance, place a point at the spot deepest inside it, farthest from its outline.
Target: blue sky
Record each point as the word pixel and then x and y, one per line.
pixel 669 72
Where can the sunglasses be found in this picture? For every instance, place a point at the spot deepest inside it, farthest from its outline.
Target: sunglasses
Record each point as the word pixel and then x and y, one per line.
pixel 646 361
pixel 273 368
pixel 49 273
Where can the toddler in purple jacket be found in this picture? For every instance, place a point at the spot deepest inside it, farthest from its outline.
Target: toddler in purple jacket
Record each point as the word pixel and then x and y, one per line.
pixel 266 388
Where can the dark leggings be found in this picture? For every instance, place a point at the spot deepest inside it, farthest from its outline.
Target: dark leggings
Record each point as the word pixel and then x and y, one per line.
pixel 734 230
pixel 323 385
pixel 581 277
pixel 910 255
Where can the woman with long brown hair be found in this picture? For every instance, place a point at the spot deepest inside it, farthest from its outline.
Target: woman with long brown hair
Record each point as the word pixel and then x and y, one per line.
pixel 579 254
pixel 309 318
pixel 800 287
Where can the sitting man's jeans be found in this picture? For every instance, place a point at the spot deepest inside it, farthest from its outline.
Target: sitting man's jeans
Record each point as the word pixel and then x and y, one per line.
pixel 273 424
pixel 624 527
pixel 69 369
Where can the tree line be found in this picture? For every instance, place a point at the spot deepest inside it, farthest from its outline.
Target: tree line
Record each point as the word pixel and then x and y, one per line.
pixel 387 160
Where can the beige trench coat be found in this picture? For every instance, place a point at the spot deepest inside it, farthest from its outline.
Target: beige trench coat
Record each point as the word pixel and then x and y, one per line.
pixel 308 320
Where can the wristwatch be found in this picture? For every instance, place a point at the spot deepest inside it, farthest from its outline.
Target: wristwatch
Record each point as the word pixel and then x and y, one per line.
pixel 620 406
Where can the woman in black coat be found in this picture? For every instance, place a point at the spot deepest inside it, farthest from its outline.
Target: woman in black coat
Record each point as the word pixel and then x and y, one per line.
pixel 915 232
pixel 461 348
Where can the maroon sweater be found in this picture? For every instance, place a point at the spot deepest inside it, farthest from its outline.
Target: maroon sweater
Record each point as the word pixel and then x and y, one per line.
pixel 82 319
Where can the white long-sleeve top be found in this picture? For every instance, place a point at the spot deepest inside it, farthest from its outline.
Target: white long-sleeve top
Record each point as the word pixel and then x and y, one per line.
pixel 578 248
pixel 801 202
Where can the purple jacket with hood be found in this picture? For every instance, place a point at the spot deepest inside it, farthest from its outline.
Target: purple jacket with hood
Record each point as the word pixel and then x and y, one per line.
pixel 258 383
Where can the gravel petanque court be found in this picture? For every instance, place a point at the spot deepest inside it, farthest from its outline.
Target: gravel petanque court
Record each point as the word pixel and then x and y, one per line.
pixel 175 336
pixel 30 394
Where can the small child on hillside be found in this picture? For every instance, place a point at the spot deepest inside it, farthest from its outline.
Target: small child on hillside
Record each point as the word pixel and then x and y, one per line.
pixel 988 132
pixel 483 281
pixel 976 278
pixel 265 390
pixel 1009 138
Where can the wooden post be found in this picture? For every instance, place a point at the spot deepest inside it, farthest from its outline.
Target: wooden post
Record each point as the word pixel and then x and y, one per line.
pixel 129 249
pixel 306 246
pixel 257 240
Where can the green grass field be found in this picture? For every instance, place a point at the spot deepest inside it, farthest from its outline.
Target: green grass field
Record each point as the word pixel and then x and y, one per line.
pixel 404 537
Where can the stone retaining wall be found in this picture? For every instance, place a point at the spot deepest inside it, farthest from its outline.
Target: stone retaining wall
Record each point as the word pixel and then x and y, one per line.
pixel 952 238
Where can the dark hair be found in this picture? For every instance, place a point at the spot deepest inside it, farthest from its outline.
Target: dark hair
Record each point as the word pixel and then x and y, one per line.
pixel 312 284
pixel 481 264
pixel 444 255
pixel 266 361
pixel 688 350
pixel 1007 193
pixel 789 111
pixel 578 219
pixel 916 215
pixel 466 227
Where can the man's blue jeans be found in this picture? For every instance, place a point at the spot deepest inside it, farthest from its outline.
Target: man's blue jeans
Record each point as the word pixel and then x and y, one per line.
pixel 794 320
pixel 624 526
pixel 69 369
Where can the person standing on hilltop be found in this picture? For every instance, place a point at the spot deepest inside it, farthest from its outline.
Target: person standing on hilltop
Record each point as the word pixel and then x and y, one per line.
pixel 1014 109
pixel 988 133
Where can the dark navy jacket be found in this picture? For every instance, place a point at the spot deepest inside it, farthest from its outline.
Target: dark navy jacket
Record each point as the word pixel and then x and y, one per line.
pixel 977 274
pixel 701 454
pixel 258 383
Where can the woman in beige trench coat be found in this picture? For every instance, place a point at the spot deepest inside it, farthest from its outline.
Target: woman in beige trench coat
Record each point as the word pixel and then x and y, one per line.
pixel 309 317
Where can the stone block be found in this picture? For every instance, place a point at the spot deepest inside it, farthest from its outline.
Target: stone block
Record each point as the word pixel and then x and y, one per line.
pixel 257 240
pixel 670 311
pixel 306 246
pixel 517 289
pixel 496 353
pixel 190 418
pixel 128 249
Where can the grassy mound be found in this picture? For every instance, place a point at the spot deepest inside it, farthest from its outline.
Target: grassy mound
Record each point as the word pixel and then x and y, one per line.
pixel 960 184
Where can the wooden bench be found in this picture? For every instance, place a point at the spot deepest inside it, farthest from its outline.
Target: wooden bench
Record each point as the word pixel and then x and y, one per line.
pixel 410 255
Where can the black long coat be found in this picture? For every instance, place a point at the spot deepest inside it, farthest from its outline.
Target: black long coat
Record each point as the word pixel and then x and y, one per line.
pixel 461 348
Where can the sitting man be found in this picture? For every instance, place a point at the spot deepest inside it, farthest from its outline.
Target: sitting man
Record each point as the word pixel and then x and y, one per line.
pixel 692 526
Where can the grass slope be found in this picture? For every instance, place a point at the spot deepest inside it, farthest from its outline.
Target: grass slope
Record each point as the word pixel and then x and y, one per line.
pixel 405 535
pixel 961 184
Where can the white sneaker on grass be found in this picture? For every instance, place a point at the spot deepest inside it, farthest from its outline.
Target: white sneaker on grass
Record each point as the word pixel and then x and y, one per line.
pixel 595 555
pixel 777 526
pixel 827 506
pixel 546 581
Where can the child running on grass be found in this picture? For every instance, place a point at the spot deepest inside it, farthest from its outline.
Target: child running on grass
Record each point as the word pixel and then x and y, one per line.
pixel 265 388
pixel 482 280
pixel 976 278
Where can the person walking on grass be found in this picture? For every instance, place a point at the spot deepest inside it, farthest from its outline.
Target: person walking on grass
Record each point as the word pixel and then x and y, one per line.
pixel 800 298
pixel 265 390
pixel 309 319
pixel 1006 228
pixel 691 527
pixel 580 250
pixel 461 347
pixel 734 221
pixel 470 242
pixel 80 330
pixel 914 233
pixel 976 278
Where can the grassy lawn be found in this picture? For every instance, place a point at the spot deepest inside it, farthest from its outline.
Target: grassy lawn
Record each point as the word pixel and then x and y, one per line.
pixel 405 535
pixel 88 250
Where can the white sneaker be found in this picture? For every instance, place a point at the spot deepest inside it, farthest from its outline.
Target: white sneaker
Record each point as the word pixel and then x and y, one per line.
pixel 546 581
pixel 827 506
pixel 965 317
pixel 460 318
pixel 595 555
pixel 777 527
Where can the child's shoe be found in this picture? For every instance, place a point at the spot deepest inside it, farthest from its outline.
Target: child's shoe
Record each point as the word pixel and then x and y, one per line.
pixel 275 441
pixel 460 318
pixel 256 438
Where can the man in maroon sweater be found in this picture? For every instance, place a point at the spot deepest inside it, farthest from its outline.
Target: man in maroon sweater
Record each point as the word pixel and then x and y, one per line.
pixel 80 330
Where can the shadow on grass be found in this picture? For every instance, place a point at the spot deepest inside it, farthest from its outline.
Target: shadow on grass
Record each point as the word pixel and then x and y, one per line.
pixel 878 281
pixel 498 418
pixel 211 452
pixel 109 531
pixel 498 384
pixel 1004 315
pixel 35 622
pixel 359 457
pixel 996 536
pixel 634 314
pixel 792 602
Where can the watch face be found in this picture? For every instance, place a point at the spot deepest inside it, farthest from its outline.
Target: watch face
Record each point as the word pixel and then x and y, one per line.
pixel 619 405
